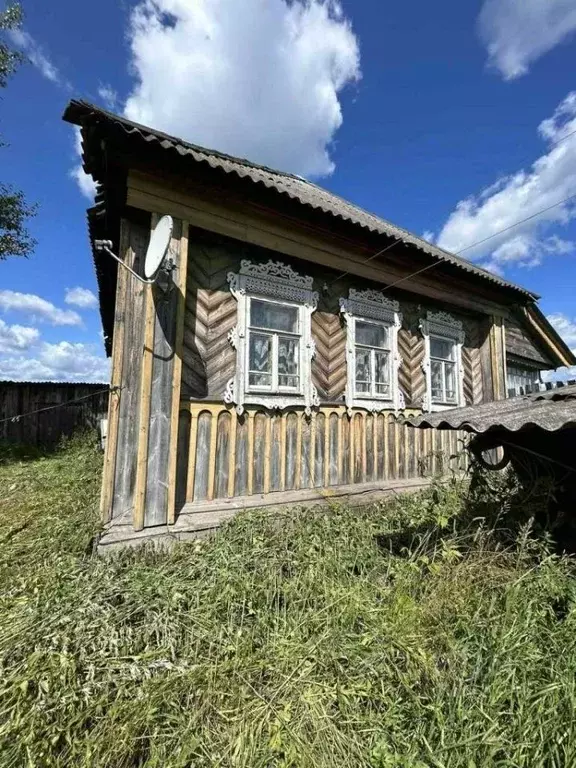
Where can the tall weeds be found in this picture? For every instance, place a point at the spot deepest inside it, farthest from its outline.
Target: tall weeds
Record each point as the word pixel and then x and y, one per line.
pixel 404 635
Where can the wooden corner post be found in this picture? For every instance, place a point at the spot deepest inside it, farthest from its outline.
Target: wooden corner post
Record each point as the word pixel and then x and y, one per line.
pixel 159 402
pixel 498 357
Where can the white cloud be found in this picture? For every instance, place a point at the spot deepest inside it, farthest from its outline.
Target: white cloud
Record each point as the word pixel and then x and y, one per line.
pixel 81 297
pixel 37 308
pixel 551 179
pixel 256 79
pixel 57 362
pixel 15 338
pixel 518 32
pixel 84 180
pixel 108 95
pixel 37 57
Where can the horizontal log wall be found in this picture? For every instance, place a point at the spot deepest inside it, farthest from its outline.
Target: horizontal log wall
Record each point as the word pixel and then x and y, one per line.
pixel 223 455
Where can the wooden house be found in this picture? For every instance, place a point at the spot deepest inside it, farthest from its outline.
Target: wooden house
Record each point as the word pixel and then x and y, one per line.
pixel 298 332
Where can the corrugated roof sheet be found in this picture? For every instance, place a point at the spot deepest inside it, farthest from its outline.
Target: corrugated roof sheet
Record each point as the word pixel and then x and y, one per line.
pixel 294 187
pixel 550 410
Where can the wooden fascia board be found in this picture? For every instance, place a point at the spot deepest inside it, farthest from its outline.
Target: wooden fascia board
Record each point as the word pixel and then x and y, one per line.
pixel 146 193
pixel 547 339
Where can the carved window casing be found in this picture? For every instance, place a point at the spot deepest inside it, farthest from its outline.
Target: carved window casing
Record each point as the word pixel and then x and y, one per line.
pixel 372 323
pixel 443 339
pixel 272 338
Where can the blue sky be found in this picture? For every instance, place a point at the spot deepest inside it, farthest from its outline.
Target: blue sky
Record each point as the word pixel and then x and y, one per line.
pixel 450 119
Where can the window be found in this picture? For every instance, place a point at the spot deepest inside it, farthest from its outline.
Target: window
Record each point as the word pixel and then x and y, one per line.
pixel 272 337
pixel 372 322
pixel 372 357
pixel 273 347
pixel 520 377
pixel 443 370
pixel 443 339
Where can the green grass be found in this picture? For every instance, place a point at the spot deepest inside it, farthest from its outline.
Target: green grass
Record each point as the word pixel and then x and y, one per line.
pixel 298 640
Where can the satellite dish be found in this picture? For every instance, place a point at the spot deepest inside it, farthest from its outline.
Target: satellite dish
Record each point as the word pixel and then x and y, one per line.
pixel 158 247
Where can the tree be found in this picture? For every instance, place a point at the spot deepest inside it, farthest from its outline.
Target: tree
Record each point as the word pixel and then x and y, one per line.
pixel 14 237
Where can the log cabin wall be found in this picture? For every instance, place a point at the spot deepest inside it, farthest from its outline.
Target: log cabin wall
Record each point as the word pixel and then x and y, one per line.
pixel 223 455
pixel 521 344
pixel 209 360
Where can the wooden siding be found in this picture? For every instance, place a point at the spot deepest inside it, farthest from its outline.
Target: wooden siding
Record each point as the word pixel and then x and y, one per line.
pixel 260 452
pixel 520 342
pixel 209 360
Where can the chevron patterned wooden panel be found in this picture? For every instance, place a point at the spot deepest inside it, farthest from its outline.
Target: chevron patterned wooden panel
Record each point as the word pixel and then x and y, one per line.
pixel 472 363
pixel 411 348
pixel 208 358
pixel 329 363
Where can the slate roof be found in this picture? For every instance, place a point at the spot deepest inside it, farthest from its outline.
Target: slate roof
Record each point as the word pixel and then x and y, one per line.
pixel 294 187
pixel 550 410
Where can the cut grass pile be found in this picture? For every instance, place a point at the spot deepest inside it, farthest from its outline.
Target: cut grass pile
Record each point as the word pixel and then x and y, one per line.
pixel 294 640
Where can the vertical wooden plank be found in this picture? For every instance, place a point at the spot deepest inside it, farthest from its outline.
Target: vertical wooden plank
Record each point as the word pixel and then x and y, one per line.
pixel 334 441
pixel 312 457
pixel 161 443
pixel 375 418
pixel 341 418
pixel 241 471
pixel 267 452
pixel 222 458
pixel 144 420
pixel 202 456
pixel 259 461
pixel 408 451
pixel 212 455
pixel 363 445
pixel 182 457
pixel 232 452
pixel 396 448
pixel 298 448
pixel 386 467
pixel 283 452
pixel 125 467
pixel 250 488
pixel 328 452
pixel 192 456
pixel 307 451
pixel 359 448
pixel 276 453
pixel 352 452
pixel 180 287
pixel 320 448
pixel 291 439
pixel 107 492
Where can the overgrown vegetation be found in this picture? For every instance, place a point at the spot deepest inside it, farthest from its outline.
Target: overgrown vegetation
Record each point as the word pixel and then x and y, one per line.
pixel 328 637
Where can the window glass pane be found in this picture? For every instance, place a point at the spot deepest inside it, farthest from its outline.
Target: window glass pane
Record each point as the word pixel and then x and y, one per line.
pixel 382 373
pixel 363 372
pixel 260 360
pixel 371 335
pixel 278 317
pixel 441 348
pixel 287 362
pixel 436 376
pixel 450 382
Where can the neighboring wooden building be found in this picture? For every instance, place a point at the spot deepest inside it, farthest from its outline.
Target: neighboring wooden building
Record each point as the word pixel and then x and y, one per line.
pixel 300 331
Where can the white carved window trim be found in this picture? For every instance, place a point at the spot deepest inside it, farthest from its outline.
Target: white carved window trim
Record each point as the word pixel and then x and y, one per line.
pixel 371 306
pixel 273 281
pixel 442 325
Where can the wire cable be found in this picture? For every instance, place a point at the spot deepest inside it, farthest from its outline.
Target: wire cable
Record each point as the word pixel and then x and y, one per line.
pixel 15 419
